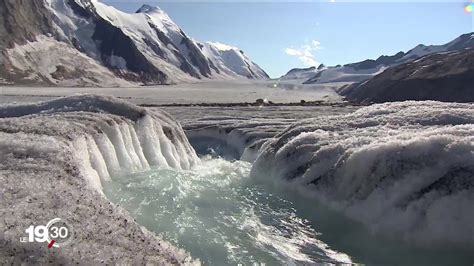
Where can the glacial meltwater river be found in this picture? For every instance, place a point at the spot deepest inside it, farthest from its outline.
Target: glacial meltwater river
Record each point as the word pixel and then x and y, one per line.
pixel 222 216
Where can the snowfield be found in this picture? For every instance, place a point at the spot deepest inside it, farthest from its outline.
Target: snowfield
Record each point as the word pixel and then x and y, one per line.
pixel 55 156
pixel 404 169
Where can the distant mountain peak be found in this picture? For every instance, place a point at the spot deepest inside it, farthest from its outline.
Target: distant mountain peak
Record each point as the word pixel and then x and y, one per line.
pixel 366 69
pixel 149 9
pixel 222 47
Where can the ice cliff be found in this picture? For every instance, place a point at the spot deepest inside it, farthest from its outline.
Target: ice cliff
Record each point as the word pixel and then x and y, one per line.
pixel 403 169
pixel 55 156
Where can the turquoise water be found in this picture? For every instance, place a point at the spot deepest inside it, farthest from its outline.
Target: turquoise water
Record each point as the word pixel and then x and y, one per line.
pixel 222 216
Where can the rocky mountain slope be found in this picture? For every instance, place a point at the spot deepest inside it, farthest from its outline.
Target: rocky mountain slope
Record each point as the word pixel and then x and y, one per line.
pixel 447 76
pixel 86 42
pixel 302 74
pixel 365 70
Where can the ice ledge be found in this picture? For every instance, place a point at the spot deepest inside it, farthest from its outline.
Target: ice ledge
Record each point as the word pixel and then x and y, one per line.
pixel 406 169
pixel 77 103
pixel 55 156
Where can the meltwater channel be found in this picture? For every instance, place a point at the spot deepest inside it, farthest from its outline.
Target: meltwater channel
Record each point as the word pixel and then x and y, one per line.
pixel 222 216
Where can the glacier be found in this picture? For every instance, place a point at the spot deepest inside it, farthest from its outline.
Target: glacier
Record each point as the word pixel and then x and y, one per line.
pixel 406 170
pixel 55 157
pixel 240 131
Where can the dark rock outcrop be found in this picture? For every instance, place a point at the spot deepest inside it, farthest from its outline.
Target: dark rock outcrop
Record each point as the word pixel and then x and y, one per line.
pixel 382 60
pixel 196 56
pixel 447 77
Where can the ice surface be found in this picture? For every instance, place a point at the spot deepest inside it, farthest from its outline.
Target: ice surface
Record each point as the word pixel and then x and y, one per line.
pixel 238 132
pixel 133 135
pixel 55 157
pixel 404 169
pixel 202 92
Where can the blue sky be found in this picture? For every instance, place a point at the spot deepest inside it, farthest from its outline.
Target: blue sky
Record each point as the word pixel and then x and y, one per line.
pixel 282 35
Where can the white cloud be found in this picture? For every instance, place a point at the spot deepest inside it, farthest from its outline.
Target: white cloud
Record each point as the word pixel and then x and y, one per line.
pixel 306 53
pixel 292 52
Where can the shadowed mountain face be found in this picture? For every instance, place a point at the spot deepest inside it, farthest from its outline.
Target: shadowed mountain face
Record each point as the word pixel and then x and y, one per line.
pixel 447 77
pixel 460 43
pixel 90 43
pixel 382 60
pixel 113 42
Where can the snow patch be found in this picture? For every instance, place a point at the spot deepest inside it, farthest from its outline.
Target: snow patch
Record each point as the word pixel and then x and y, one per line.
pixel 231 60
pixel 117 62
pixel 221 46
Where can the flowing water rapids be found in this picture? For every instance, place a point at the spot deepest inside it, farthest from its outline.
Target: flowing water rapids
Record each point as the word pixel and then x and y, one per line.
pixel 222 216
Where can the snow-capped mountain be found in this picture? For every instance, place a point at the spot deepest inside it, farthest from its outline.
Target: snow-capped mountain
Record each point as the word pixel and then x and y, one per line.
pixel 231 60
pixel 365 70
pixel 460 43
pixel 91 43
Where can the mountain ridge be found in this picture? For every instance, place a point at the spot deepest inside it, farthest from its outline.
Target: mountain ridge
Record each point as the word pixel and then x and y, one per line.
pixel 446 77
pixel 366 69
pixel 115 48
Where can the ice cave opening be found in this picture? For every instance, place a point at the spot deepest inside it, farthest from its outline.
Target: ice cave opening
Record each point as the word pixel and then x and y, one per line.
pixel 215 147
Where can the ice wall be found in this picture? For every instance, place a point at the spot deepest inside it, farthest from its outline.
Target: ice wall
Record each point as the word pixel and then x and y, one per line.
pixel 107 135
pixel 404 169
pixel 239 137
pixel 243 129
pixel 55 157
